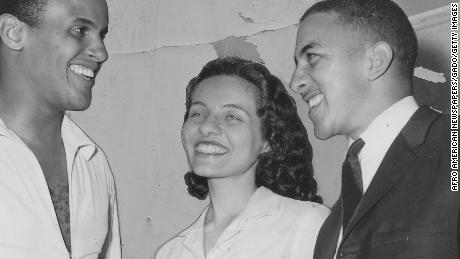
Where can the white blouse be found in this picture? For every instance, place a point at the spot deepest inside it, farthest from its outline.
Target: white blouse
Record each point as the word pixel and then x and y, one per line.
pixel 271 226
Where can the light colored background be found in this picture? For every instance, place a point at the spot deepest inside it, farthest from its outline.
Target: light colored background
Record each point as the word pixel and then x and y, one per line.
pixel 157 46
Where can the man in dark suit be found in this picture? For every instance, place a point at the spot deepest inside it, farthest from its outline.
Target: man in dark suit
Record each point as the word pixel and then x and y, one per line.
pixel 354 66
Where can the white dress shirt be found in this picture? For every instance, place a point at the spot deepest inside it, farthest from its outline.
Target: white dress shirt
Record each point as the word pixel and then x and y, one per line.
pixel 28 223
pixel 270 227
pixel 379 136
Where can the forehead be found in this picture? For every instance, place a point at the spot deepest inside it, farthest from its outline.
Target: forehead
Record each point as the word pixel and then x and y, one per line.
pixel 92 10
pixel 224 90
pixel 324 30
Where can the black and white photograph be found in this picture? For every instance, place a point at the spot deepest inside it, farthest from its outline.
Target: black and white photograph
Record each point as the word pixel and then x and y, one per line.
pixel 243 129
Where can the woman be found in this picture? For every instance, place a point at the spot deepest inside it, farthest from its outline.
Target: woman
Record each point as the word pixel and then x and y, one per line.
pixel 249 151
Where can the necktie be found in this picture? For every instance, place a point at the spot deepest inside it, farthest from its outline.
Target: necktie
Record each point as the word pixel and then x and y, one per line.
pixel 352 183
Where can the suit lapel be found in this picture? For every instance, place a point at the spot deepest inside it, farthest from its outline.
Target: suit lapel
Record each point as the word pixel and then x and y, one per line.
pixel 328 236
pixel 398 159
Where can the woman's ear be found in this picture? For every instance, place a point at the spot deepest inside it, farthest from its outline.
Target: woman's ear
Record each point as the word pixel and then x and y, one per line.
pixel 11 31
pixel 379 57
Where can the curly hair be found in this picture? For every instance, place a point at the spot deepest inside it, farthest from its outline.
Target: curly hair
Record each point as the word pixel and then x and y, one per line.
pixel 28 11
pixel 376 20
pixel 286 168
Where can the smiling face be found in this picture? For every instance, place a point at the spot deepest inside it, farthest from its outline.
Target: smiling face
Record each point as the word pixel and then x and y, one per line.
pixel 330 75
pixel 64 52
pixel 222 136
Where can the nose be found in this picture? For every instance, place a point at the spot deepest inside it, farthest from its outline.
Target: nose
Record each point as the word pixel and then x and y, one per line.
pixel 299 81
pixel 97 51
pixel 210 126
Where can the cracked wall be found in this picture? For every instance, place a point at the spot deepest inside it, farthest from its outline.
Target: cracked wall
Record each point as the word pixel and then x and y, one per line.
pixel 156 47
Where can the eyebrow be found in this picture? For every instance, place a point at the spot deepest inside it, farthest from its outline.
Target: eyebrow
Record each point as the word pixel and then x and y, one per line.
pixel 85 21
pixel 233 106
pixel 238 107
pixel 197 103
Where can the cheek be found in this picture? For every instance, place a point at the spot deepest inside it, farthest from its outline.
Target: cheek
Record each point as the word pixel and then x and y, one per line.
pixel 258 141
pixel 66 48
pixel 249 140
pixel 187 134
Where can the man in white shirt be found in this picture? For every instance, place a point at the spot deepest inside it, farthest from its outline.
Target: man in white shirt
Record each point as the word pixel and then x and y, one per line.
pixel 354 66
pixel 57 192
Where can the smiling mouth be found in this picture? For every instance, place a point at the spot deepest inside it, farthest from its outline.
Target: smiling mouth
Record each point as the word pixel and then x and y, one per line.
pixel 210 148
pixel 83 71
pixel 315 100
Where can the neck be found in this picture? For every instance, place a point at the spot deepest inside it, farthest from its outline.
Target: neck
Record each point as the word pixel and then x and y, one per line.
pixel 32 125
pixel 23 113
pixel 229 197
pixel 384 94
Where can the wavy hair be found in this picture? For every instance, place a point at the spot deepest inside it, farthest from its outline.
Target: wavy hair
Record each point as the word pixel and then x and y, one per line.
pixel 286 168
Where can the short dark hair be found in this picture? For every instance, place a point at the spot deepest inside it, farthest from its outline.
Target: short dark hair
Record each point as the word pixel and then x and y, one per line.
pixel 376 20
pixel 28 11
pixel 286 168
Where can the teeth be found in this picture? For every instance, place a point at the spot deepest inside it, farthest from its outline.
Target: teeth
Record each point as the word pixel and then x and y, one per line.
pixel 210 149
pixel 315 100
pixel 82 70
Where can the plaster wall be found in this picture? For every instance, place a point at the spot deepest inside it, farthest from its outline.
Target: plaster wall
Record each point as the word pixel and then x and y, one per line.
pixel 156 47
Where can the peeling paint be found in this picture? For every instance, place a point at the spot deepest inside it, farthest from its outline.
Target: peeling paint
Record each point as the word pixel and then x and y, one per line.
pixel 195 44
pixel 239 47
pixel 245 19
pixel 429 75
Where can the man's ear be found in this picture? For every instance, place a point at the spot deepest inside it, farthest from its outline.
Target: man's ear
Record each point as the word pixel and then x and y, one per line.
pixel 379 57
pixel 11 31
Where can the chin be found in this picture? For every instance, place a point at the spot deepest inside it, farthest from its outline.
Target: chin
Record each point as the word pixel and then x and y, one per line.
pixel 203 171
pixel 80 104
pixel 322 134
pixel 79 107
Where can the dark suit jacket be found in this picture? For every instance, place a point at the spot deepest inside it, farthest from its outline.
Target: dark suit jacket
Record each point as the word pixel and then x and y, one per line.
pixel 408 210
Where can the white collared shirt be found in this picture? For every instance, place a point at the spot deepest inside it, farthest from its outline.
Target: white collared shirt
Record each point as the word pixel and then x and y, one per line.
pixel 270 227
pixel 28 223
pixel 379 136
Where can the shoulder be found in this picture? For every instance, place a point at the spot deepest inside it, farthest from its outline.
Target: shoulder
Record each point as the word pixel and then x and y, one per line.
pixel 303 222
pixel 305 212
pixel 437 132
pixel 425 122
pixel 441 120
pixel 428 131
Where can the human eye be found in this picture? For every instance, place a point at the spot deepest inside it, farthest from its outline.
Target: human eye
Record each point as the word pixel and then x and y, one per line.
pixel 78 31
pixel 312 58
pixel 233 116
pixel 195 113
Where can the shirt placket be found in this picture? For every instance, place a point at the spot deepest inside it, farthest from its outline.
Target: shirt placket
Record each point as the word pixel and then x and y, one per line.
pixel 228 239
